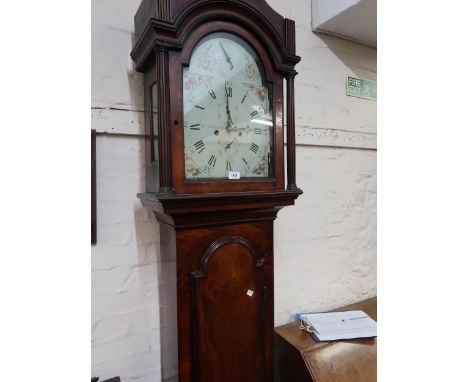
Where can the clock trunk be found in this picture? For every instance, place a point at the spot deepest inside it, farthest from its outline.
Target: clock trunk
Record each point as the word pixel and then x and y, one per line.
pixel 226 303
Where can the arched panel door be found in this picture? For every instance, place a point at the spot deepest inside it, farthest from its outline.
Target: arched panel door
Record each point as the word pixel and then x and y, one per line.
pixel 227 313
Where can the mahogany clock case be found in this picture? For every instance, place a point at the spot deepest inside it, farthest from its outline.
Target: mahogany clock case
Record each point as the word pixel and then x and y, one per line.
pixel 218 233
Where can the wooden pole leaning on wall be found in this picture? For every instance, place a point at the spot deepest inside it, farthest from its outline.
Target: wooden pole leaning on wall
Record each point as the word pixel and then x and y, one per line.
pixel 291 132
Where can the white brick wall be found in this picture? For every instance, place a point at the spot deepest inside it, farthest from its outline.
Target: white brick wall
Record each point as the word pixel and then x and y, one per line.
pixel 325 246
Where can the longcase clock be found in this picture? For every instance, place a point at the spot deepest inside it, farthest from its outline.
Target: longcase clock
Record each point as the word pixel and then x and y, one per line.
pixel 214 77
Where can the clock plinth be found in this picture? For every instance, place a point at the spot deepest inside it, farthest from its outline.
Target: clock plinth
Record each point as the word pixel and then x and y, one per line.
pixel 215 167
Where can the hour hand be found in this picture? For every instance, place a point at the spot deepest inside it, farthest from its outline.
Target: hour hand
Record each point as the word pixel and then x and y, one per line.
pixel 229 118
pixel 228 59
pixel 228 113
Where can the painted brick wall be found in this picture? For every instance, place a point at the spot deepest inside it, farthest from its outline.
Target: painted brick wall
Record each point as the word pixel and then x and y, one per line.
pixel 325 246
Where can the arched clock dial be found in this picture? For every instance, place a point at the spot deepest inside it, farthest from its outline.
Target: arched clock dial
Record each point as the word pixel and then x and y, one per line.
pixel 227 111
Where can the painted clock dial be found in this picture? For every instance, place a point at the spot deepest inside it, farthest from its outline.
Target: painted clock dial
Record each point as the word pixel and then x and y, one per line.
pixel 227 111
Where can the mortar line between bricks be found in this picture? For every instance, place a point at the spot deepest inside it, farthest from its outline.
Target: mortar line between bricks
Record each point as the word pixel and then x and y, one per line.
pixel 337 146
pixel 108 134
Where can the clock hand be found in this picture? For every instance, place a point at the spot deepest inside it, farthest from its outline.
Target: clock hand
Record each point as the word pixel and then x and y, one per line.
pixel 228 59
pixel 229 145
pixel 228 112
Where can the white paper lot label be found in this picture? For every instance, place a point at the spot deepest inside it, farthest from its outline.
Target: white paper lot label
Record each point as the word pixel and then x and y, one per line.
pixel 234 175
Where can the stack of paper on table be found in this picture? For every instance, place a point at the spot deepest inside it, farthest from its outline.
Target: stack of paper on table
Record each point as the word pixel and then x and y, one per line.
pixel 339 325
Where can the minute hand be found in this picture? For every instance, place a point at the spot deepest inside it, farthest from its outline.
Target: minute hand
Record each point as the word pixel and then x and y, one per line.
pixel 228 59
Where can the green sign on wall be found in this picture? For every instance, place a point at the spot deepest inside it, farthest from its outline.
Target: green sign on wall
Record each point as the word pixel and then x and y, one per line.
pixel 357 87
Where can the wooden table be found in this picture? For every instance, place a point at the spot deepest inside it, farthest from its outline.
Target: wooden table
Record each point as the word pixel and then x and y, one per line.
pixel 298 358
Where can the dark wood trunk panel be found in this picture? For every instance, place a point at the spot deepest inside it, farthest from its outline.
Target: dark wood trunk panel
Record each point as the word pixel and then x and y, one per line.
pixel 227 317
pixel 223 336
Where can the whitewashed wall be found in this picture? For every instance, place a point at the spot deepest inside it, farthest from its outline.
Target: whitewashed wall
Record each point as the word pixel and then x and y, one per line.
pixel 325 245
